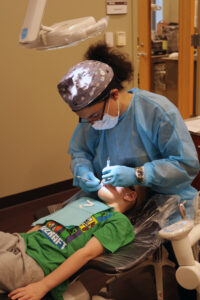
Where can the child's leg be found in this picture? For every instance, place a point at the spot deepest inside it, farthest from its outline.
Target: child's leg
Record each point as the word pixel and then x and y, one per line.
pixel 17 269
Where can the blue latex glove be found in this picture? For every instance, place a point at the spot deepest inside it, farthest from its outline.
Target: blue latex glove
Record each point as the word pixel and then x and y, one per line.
pixel 119 176
pixel 92 185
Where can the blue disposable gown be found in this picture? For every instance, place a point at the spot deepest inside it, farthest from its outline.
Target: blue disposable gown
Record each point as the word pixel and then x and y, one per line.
pixel 151 133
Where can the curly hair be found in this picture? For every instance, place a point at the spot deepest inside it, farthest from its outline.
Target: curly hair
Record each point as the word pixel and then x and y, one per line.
pixel 119 62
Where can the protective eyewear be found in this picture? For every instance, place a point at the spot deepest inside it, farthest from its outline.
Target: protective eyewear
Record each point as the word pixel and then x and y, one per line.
pixel 97 115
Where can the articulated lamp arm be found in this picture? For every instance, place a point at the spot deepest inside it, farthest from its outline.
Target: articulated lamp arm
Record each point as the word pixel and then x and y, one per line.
pixel 59 35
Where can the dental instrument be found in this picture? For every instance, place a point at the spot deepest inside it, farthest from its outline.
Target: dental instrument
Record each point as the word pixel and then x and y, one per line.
pixel 64 34
pixel 108 162
pixel 83 178
pixel 107 166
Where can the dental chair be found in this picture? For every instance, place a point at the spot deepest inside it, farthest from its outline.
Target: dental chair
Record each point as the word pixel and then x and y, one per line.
pixel 184 236
pixel 145 250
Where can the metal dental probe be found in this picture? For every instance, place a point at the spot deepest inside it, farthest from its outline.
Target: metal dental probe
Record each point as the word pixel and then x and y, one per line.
pixel 83 178
pixel 108 162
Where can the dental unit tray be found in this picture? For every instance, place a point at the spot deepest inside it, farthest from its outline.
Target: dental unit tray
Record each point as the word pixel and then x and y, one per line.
pixel 64 34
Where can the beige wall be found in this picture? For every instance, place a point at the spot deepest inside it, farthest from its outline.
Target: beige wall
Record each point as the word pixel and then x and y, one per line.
pixel 35 123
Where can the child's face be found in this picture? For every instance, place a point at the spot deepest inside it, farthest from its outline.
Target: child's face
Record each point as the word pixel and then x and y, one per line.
pixel 110 194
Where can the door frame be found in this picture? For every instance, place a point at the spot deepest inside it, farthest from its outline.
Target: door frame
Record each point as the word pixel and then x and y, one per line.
pixel 144 44
pixel 186 59
pixel 197 104
pixel 185 88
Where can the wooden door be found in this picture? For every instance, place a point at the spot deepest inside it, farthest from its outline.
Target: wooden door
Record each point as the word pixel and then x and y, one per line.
pixel 185 88
pixel 186 58
pixel 144 44
pixel 197 104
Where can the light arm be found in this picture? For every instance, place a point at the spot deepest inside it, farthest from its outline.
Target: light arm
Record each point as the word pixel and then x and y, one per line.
pixel 32 22
pixel 63 34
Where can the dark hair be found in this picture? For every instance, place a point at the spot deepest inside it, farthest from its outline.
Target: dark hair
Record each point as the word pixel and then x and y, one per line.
pixel 122 67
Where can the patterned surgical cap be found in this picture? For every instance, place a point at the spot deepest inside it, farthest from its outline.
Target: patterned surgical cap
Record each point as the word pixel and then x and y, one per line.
pixel 84 83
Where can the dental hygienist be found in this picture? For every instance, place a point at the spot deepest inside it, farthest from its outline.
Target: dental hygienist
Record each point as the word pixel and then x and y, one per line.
pixel 142 133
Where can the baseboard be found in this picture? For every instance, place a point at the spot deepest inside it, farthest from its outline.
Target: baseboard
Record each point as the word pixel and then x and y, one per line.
pixel 36 193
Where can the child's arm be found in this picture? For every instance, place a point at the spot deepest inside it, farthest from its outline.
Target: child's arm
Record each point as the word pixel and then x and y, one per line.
pixel 75 262
pixel 35 228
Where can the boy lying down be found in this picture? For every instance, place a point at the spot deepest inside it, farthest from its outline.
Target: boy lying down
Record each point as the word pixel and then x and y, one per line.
pixel 41 260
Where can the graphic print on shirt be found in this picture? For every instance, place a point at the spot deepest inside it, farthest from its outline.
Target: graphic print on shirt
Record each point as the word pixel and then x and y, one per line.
pixel 61 236
pixel 53 237
pixel 89 223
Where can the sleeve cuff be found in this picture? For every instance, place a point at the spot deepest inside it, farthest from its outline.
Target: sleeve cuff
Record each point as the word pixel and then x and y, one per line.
pixel 148 174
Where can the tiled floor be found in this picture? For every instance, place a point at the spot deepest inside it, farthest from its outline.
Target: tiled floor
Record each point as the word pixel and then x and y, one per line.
pixel 139 285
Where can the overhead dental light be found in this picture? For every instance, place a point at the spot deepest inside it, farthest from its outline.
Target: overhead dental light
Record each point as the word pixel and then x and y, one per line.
pixel 59 35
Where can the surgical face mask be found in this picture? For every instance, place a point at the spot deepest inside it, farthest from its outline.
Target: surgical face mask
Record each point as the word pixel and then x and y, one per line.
pixel 108 121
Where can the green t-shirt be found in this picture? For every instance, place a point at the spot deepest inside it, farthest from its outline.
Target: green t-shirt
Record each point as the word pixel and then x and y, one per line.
pixel 53 243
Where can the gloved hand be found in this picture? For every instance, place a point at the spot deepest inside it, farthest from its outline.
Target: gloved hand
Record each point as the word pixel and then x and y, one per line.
pixel 119 176
pixel 91 184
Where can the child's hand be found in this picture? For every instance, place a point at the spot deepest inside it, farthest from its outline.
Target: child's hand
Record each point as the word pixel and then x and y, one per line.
pixel 33 291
